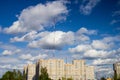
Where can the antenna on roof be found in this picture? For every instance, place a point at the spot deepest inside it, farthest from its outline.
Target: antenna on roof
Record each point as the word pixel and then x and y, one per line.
pixel 54 40
pixel 66 60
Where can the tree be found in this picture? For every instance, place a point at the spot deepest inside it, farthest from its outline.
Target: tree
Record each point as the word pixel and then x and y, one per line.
pixel 69 79
pixel 24 76
pixel 116 77
pixel 12 75
pixel 44 75
pixel 63 78
pixel 102 78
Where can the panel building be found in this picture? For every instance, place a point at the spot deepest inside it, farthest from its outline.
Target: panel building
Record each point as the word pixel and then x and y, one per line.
pixel 57 69
pixel 116 68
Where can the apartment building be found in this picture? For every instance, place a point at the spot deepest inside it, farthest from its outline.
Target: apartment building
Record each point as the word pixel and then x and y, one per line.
pixel 30 72
pixel 57 69
pixel 90 73
pixel 116 68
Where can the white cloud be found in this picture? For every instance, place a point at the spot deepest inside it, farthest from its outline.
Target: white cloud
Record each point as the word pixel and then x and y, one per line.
pixel 87 6
pixel 111 39
pixel 5 66
pixel 40 56
pixel 7 52
pixel 96 54
pixel 7 46
pixel 33 35
pixel 10 66
pixel 82 34
pixel 81 38
pixel 32 58
pixel 99 44
pixel 26 56
pixel 104 61
pixel 88 52
pixel 84 30
pixel 54 40
pixel 104 71
pixel 80 48
pixel 10 52
pixel 0 28
pixel 105 43
pixel 113 22
pixel 116 13
pixel 8 60
pixel 27 37
pixel 38 17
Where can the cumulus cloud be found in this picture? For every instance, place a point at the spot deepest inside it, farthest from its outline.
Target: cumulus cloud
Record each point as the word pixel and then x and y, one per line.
pixel 116 13
pixel 10 66
pixel 104 61
pixel 105 43
pixel 32 58
pixel 0 29
pixel 102 48
pixel 38 17
pixel 84 30
pixel 87 52
pixel 8 60
pixel 114 21
pixel 80 48
pixel 5 66
pixel 7 52
pixel 99 44
pixel 26 56
pixel 98 53
pixel 87 6
pixel 27 37
pixel 112 39
pixel 40 56
pixel 10 52
pixel 33 35
pixel 107 70
pixel 54 40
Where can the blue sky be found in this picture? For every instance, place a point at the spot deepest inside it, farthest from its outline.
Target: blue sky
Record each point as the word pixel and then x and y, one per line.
pixel 76 29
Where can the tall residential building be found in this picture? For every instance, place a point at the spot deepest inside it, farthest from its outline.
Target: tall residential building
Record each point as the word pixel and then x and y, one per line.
pixel 68 71
pixel 116 68
pixel 79 69
pixel 31 71
pixel 90 73
pixel 57 69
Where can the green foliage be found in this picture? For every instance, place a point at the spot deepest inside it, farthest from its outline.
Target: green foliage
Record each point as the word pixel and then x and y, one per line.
pixel 116 77
pixel 63 78
pixel 44 75
pixel 12 75
pixel 102 78
pixel 69 79
pixel 24 76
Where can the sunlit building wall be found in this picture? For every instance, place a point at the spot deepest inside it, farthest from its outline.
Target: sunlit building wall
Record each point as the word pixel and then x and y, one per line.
pixel 31 71
pixel 90 73
pixel 116 68
pixel 57 69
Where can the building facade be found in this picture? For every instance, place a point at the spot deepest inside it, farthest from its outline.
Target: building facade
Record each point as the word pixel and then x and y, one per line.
pixel 116 68
pixel 90 73
pixel 57 69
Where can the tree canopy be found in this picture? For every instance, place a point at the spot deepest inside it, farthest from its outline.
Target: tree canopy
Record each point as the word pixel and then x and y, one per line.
pixel 12 75
pixel 44 75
